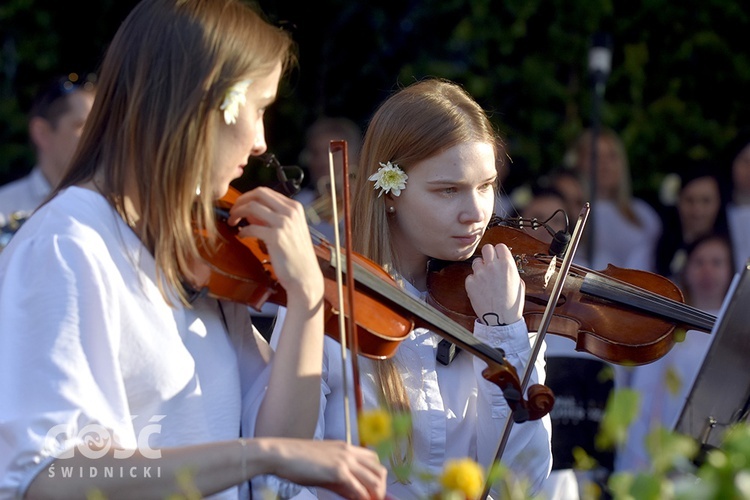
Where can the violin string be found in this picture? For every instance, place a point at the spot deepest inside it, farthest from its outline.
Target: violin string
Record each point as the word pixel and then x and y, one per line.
pixel 648 300
pixel 609 288
pixel 700 318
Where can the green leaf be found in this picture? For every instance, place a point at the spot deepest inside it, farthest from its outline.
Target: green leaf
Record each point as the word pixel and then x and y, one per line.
pixel 621 410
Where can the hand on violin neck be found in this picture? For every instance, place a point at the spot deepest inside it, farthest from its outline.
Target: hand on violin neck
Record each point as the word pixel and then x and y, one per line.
pixel 495 288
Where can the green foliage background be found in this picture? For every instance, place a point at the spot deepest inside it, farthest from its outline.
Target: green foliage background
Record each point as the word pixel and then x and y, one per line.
pixel 681 69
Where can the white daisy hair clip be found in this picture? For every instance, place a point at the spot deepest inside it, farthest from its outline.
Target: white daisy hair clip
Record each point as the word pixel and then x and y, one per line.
pixel 389 177
pixel 235 97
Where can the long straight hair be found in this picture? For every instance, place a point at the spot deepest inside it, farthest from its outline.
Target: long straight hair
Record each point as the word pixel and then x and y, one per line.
pixel 416 123
pixel 153 125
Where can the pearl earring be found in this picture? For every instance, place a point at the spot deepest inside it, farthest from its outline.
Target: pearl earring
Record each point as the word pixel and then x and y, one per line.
pixel 391 209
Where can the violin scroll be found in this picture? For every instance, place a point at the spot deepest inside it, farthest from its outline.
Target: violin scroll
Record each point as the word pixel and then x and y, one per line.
pixel 540 398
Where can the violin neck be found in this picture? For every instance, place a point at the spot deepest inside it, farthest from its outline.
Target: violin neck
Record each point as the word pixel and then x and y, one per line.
pixel 429 316
pixel 632 296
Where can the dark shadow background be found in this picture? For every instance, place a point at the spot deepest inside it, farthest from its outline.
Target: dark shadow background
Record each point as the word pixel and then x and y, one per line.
pixel 680 70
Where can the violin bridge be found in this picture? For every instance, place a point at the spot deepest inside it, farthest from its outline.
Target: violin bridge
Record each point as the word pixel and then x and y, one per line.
pixel 550 271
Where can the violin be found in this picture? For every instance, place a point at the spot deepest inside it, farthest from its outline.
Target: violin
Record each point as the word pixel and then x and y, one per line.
pixel 623 316
pixel 241 271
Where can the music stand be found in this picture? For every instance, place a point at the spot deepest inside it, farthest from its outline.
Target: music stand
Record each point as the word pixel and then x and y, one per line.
pixel 720 395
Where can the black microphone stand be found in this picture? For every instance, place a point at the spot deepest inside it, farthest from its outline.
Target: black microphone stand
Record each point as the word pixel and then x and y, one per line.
pixel 600 60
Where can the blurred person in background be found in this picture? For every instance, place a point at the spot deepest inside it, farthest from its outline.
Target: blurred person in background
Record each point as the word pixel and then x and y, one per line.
pixel 56 118
pixel 738 207
pixel 699 210
pixel 548 207
pixel 665 384
pixel 625 228
pixel 316 195
pixel 569 184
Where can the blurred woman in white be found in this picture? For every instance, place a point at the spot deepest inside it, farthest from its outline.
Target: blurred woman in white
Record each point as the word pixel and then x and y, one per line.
pixel 706 276
pixel 625 228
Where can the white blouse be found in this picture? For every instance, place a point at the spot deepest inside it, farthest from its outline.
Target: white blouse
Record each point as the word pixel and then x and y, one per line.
pixel 456 413
pixel 618 241
pixel 738 217
pixel 91 353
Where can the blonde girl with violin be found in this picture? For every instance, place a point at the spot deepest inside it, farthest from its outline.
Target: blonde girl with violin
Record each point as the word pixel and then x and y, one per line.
pixel 115 379
pixel 428 174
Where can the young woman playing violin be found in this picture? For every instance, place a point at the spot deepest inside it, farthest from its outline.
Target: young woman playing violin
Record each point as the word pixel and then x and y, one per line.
pixel 130 384
pixel 427 189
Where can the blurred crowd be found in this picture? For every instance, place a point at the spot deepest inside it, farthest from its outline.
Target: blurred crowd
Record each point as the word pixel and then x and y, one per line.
pixel 694 232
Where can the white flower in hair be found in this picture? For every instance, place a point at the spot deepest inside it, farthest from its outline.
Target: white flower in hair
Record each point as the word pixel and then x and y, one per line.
pixel 389 177
pixel 236 96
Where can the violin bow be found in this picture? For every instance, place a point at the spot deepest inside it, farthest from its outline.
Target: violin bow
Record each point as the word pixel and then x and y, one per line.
pixel 542 330
pixel 346 330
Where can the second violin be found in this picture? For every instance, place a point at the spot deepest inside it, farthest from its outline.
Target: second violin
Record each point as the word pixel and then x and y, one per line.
pixel 623 316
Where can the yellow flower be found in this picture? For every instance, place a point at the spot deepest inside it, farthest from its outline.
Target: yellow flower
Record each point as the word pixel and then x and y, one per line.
pixel 464 476
pixel 375 426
